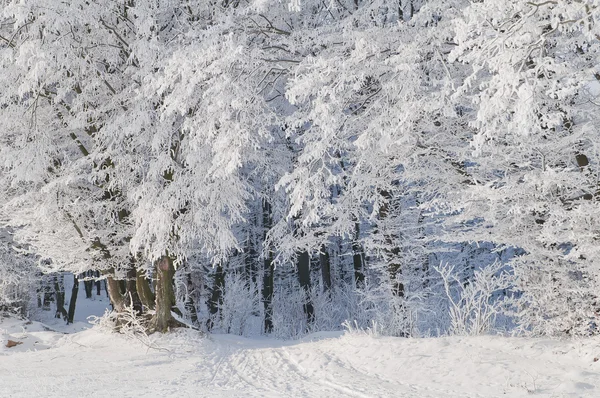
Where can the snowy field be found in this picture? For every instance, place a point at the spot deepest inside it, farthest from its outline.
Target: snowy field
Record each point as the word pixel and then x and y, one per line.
pixel 93 362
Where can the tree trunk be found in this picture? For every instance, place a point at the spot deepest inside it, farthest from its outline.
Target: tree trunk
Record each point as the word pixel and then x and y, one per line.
pixel 73 301
pixel 114 294
pixel 163 320
pixel 268 271
pixel 88 284
pixel 59 288
pixel 144 291
pixel 216 296
pixel 190 303
pixel 325 263
pixel 267 292
pixel 358 258
pixel 303 266
pixel 392 251
pixel 98 285
pixel 132 296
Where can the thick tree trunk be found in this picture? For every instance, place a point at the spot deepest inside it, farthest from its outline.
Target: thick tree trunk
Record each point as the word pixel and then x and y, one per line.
pixel 144 291
pixel 73 301
pixel 114 294
pixel 303 266
pixel 165 296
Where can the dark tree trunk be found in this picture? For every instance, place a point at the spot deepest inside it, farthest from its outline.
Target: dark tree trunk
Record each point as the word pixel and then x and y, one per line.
pixel 216 296
pixel 45 294
pixel 267 292
pixel 392 251
pixel 73 301
pixel 98 284
pixel 48 298
pixel 122 284
pixel 325 264
pixel 190 303
pixel 59 288
pixel 358 258
pixel 88 284
pixel 165 296
pixel 268 271
pixel 303 266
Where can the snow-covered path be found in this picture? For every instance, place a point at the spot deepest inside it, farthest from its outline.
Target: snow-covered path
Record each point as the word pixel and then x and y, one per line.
pixel 94 363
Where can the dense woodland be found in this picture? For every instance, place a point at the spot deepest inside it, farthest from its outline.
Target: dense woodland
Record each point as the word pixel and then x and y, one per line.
pixel 418 167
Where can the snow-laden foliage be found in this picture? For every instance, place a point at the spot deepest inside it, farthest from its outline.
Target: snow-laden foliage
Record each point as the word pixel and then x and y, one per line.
pixel 532 157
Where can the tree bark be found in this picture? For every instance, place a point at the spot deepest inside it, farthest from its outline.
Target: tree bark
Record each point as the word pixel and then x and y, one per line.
pixel 144 291
pixel 325 263
pixel 392 251
pixel 268 272
pixel 163 320
pixel 190 304
pixel 73 301
pixel 267 292
pixel 98 285
pixel 216 296
pixel 88 285
pixel 59 288
pixel 303 267
pixel 358 258
pixel 114 294
pixel 132 296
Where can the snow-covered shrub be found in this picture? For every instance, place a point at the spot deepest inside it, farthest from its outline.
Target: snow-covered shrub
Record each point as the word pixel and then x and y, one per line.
pixel 19 278
pixel 334 307
pixel 473 305
pixel 238 310
pixel 555 300
pixel 394 315
pixel 128 323
pixel 289 319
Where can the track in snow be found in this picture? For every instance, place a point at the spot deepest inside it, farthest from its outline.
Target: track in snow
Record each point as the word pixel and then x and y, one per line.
pixel 94 363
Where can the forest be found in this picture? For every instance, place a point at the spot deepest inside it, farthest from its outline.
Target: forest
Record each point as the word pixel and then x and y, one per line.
pixel 422 168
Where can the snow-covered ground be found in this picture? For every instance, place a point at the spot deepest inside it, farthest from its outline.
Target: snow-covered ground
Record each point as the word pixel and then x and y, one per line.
pixel 94 362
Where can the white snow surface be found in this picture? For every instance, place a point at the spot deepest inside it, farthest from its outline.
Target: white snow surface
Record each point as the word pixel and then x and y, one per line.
pixel 185 363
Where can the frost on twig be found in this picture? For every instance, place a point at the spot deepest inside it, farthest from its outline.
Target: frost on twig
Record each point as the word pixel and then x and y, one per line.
pixel 474 305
